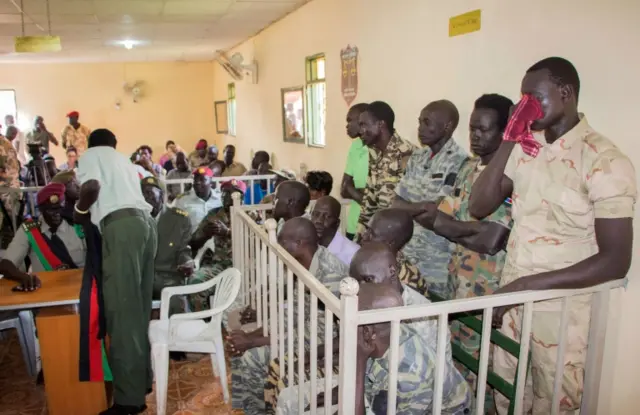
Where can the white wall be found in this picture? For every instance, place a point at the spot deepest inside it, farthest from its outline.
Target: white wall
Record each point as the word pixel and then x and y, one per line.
pixel 408 60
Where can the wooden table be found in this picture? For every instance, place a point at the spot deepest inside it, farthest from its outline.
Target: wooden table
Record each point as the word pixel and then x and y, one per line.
pixel 58 325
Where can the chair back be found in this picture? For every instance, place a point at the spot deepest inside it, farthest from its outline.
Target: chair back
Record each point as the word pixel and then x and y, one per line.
pixel 227 286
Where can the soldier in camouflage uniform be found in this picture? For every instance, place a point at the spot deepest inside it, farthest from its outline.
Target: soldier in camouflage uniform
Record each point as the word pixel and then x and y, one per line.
pixel 388 157
pixel 173 260
pixel 291 201
pixel 477 260
pixel 395 228
pixel 431 174
pixel 250 365
pixel 217 223
pixel 375 263
pixel 9 177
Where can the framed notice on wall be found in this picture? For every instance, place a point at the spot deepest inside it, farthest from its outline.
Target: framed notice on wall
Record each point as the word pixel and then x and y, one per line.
pixel 222 126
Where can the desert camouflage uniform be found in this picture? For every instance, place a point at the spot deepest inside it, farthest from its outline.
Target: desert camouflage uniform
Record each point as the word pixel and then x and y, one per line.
pixel 9 177
pixel 249 372
pixel 557 196
pixel 428 179
pixel 416 375
pixel 211 264
pixel 385 171
pixel 409 274
pixel 426 328
pixel 472 274
pixel 77 138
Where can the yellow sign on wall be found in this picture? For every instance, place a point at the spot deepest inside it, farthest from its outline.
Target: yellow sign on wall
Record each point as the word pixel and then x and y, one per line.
pixel 464 23
pixel 32 44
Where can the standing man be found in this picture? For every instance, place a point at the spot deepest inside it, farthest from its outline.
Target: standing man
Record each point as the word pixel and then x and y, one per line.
pixel 388 157
pixel 198 157
pixel 354 179
pixel 478 257
pixel 75 134
pixel 201 199
pixel 111 198
pixel 18 141
pixel 233 168
pixel 9 177
pixel 40 135
pixel 431 174
pixel 573 193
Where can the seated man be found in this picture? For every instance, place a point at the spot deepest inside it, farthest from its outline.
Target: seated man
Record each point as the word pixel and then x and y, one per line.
pixel 198 201
pixel 395 228
pixel 376 263
pixel 51 243
pixel 71 192
pixel 291 201
pixel 326 218
pixel 320 183
pixel 216 224
pixel 251 350
pixel 173 260
pixel 181 171
pixel 281 177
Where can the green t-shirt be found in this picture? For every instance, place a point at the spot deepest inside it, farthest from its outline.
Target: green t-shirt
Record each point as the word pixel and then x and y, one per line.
pixel 358 168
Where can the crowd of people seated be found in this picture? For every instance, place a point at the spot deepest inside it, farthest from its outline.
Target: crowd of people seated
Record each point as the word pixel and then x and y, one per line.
pixel 543 202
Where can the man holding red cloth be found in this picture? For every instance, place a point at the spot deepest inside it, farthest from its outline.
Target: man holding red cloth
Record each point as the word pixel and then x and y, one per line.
pixel 573 197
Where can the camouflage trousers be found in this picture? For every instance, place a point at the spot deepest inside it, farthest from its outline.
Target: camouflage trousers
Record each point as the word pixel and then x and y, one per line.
pixel 248 374
pixel 200 301
pixel 544 350
pixel 275 384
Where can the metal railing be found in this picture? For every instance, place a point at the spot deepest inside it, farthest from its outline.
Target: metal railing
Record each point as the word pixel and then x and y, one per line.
pixel 274 283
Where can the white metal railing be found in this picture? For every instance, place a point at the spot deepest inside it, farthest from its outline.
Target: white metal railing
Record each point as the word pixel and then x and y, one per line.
pixel 268 284
pixel 249 180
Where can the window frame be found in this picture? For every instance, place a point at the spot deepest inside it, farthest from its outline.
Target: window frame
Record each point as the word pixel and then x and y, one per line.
pixel 311 82
pixel 231 109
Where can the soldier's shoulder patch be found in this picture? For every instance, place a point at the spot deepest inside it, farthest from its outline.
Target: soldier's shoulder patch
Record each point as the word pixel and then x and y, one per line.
pixel 30 224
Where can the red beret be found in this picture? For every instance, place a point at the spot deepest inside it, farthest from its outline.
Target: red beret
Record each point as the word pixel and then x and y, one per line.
pixel 51 193
pixel 73 114
pixel 234 184
pixel 203 171
pixel 202 144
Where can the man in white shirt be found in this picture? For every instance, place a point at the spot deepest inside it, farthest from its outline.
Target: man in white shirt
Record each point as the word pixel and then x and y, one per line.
pixel 111 198
pixel 201 198
pixel 326 219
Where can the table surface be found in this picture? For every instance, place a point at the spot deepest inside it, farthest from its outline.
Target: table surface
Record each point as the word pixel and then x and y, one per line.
pixel 58 288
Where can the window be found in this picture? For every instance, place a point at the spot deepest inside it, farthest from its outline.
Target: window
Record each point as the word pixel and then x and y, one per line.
pixel 7 104
pixel 315 101
pixel 231 109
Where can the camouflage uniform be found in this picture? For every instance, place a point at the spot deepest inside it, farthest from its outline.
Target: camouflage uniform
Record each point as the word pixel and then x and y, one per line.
pixel 409 275
pixel 472 274
pixel 9 178
pixel 174 235
pixel 212 264
pixel 428 178
pixel 416 375
pixel 249 372
pixel 427 328
pixel 385 171
pixel 557 196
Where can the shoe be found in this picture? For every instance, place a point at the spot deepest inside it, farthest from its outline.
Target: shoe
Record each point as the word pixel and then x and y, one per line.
pixel 177 356
pixel 124 410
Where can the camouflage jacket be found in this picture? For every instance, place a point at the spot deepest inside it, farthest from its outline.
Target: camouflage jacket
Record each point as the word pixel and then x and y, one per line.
pixel 386 169
pixel 9 163
pixel 222 255
pixel 409 275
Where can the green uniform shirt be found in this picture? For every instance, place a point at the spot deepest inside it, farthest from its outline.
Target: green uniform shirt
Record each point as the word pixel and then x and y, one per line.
pixel 358 168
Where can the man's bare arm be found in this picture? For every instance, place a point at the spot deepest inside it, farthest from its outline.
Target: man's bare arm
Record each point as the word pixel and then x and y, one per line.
pixel 348 189
pixel 492 186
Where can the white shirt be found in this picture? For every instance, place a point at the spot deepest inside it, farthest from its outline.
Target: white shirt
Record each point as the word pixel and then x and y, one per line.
pixel 343 248
pixel 119 181
pixel 198 208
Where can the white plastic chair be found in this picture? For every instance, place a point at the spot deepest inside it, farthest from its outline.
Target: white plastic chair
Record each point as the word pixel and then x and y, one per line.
pixel 188 332
pixel 209 245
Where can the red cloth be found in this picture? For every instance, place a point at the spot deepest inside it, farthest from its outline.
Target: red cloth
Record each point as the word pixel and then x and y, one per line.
pixel 518 129
pixel 203 171
pixel 235 185
pixel 73 114
pixel 202 144
pixel 53 192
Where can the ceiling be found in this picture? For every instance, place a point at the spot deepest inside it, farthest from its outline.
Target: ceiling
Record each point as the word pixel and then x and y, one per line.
pixel 165 30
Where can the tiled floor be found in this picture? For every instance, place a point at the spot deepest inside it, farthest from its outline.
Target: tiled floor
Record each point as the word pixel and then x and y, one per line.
pixel 192 387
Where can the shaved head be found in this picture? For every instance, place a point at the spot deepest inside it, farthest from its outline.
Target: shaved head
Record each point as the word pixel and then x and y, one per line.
pixel 298 237
pixel 326 218
pixel 291 200
pixel 375 263
pixel 448 110
pixel 393 227
pixel 377 296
